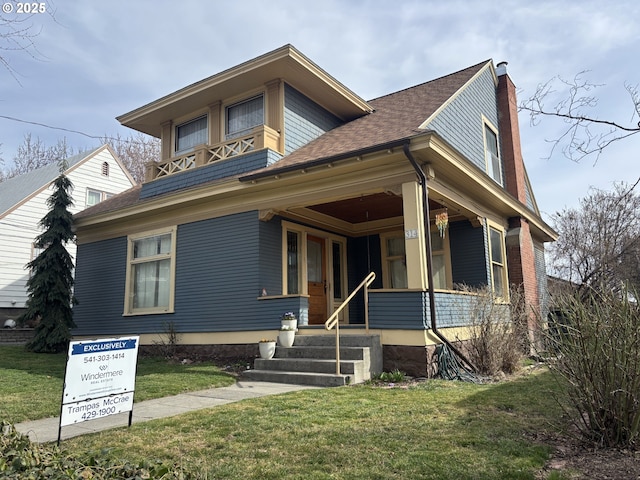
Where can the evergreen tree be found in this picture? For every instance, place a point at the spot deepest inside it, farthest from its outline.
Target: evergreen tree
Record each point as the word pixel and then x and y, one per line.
pixel 51 284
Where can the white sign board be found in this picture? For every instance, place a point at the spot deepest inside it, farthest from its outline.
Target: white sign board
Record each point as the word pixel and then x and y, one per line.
pixel 100 379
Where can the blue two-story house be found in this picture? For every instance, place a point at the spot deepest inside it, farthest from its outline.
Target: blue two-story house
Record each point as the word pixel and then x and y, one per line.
pixel 279 189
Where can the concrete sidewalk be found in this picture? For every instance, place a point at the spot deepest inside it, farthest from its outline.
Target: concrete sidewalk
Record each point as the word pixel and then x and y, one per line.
pixel 46 429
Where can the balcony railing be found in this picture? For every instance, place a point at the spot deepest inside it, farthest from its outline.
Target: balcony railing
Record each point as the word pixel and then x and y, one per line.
pixel 258 138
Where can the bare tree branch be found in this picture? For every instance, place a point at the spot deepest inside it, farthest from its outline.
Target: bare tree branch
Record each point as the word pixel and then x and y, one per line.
pixel 584 134
pixel 18 33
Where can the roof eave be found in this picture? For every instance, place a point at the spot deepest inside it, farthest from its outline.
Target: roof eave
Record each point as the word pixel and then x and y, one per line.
pixel 285 63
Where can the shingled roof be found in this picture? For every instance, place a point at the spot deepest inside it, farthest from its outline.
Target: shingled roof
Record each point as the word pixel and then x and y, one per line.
pixel 396 116
pixel 16 190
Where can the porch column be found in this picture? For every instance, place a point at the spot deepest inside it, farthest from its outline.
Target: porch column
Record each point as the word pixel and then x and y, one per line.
pixel 414 235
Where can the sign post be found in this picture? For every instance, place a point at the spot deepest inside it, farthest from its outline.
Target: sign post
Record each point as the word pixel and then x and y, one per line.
pixel 99 380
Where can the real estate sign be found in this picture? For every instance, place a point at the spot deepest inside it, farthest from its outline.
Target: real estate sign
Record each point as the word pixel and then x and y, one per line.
pixel 100 379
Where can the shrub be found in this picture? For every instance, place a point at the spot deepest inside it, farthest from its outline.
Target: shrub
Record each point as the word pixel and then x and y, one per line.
pixel 596 340
pixel 497 335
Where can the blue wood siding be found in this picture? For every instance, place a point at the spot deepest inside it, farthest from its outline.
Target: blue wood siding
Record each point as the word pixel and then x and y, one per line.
pixel 363 257
pixel 409 310
pixel 215 171
pixel 460 122
pixel 468 254
pixel 222 265
pixel 270 258
pixel 304 120
pixel 99 288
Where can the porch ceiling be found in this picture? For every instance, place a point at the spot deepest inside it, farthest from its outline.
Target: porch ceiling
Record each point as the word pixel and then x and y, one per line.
pixel 365 208
pixel 372 208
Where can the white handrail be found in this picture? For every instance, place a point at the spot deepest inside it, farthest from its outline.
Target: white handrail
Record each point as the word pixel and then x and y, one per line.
pixel 333 321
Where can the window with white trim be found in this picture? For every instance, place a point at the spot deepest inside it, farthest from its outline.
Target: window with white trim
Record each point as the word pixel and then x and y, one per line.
pixel 498 262
pixel 96 196
pixel 241 117
pixel 150 272
pixel 492 154
pixel 191 134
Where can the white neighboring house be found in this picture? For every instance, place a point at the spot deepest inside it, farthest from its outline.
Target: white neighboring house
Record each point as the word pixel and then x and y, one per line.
pixel 96 175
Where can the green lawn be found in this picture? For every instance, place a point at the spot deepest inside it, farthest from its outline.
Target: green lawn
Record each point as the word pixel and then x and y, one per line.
pixel 31 383
pixel 439 430
pixel 435 430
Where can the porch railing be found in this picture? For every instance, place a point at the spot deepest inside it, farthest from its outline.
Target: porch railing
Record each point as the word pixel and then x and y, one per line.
pixel 259 137
pixel 333 321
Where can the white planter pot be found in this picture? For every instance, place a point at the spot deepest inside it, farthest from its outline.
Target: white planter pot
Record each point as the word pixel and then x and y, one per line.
pixel 290 324
pixel 267 349
pixel 286 338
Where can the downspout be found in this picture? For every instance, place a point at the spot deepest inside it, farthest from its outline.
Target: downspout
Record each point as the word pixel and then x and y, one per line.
pixel 432 300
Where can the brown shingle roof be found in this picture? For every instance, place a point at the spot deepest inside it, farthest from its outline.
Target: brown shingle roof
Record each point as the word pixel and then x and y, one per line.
pixel 396 116
pixel 124 199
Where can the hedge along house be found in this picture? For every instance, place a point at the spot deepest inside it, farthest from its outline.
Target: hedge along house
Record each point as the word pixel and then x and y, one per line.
pixel 279 189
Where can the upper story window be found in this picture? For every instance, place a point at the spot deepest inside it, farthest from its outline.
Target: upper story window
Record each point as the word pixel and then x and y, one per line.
pixel 494 164
pixel 191 133
pixel 243 116
pixel 96 196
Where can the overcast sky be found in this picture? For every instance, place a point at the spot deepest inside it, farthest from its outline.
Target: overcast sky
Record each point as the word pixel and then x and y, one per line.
pixel 97 60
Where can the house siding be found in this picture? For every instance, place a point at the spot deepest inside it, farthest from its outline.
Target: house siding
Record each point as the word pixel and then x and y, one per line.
pixel 99 289
pixel 20 226
pixel 222 265
pixel 216 171
pixel 304 120
pixel 468 254
pixel 364 257
pixel 410 310
pixel 460 122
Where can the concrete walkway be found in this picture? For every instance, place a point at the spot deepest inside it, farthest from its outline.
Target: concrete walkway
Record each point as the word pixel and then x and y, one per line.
pixel 46 429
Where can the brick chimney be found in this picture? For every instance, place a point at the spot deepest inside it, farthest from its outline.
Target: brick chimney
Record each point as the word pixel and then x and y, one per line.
pixel 520 249
pixel 510 134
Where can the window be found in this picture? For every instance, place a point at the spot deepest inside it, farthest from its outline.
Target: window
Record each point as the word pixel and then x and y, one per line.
pixel 96 196
pixel 494 165
pixel 439 258
pixel 242 117
pixel 191 134
pixel 293 263
pixel 150 273
pixel 498 266
pixel 395 266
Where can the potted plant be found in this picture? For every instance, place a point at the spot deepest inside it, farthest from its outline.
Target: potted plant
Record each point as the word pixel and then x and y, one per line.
pixel 267 348
pixel 289 320
pixel 286 336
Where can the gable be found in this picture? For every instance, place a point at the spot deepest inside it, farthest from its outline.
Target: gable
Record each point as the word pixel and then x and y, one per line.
pixel 461 121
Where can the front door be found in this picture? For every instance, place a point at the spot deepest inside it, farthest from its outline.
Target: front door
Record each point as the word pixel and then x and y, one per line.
pixel 317 278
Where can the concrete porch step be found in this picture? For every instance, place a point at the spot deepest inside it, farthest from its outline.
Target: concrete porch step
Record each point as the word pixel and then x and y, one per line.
pixel 320 352
pixel 299 378
pixel 347 367
pixel 311 361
